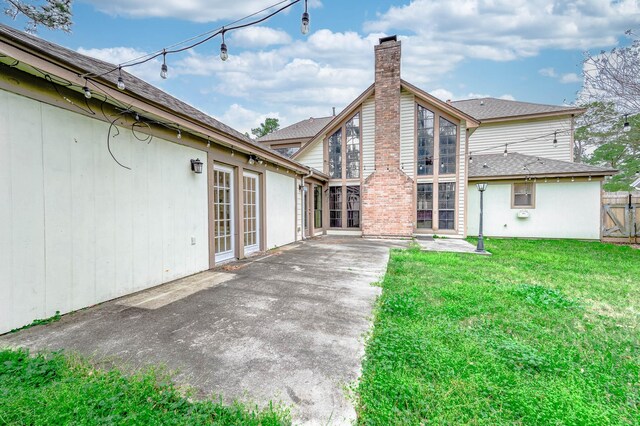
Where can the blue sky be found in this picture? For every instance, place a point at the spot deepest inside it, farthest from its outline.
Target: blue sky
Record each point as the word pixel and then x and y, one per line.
pixel 528 50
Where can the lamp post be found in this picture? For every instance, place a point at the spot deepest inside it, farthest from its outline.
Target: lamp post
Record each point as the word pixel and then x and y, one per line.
pixel 481 187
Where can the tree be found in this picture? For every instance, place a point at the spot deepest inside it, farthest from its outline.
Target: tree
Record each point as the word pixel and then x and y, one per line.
pixel 54 14
pixel 612 89
pixel 270 125
pixel 614 76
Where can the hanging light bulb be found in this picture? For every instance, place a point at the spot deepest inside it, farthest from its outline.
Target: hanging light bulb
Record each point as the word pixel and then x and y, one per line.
pixel 304 26
pixel 163 69
pixel 121 85
pixel 87 92
pixel 179 135
pixel 224 53
pixel 470 159
pixel 505 150
pixel 555 139
pixel 626 127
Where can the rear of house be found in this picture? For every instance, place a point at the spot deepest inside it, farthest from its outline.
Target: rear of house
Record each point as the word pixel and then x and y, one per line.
pixel 106 195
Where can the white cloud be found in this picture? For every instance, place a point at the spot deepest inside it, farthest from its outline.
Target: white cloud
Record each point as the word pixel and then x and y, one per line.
pixel 243 119
pixel 442 94
pixel 570 78
pixel 148 71
pixel 191 10
pixel 548 72
pixel 258 37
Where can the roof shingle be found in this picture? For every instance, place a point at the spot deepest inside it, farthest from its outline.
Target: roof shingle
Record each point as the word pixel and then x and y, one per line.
pixel 514 164
pixel 492 108
pixel 304 129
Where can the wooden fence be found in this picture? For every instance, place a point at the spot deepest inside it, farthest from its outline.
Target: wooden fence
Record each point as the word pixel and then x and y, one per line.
pixel 621 217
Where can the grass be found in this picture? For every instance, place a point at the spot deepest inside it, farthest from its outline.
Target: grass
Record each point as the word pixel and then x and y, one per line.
pixel 54 389
pixel 542 332
pixel 44 321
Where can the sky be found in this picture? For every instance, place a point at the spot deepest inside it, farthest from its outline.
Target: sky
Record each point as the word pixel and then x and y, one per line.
pixel 525 50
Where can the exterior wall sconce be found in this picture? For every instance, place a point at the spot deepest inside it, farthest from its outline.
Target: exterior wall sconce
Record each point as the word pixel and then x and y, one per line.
pixel 481 187
pixel 196 166
pixel 252 159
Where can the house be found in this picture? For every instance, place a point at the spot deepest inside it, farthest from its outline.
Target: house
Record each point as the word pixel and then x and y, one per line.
pixel 401 163
pixel 105 192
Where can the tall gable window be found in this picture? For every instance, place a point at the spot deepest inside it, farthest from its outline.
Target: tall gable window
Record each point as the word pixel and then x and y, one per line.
pixel 425 141
pixel 335 154
pixel 352 128
pixel 447 146
pixel 436 164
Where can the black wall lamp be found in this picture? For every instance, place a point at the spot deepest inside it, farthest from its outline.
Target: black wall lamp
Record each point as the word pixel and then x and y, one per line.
pixel 196 166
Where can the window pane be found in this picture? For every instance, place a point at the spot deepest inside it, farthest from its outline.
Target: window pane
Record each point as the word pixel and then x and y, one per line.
pixel 287 152
pixel 446 205
pixel 335 206
pixel 352 129
pixel 425 141
pixel 317 206
pixel 353 206
pixel 522 194
pixel 335 155
pixel 425 205
pixel 448 143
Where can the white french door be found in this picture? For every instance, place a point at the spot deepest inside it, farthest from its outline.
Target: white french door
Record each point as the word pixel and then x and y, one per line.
pixel 251 212
pixel 224 215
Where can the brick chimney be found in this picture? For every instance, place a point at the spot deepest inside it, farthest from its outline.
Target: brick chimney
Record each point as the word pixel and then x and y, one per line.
pixel 387 201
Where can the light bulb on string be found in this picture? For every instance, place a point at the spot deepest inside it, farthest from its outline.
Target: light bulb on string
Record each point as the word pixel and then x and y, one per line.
pixel 626 127
pixel 304 26
pixel 87 92
pixel 121 85
pixel 505 150
pixel 224 53
pixel 179 134
pixel 555 139
pixel 164 70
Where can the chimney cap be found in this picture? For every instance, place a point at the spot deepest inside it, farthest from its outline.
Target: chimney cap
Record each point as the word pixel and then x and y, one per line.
pixel 388 39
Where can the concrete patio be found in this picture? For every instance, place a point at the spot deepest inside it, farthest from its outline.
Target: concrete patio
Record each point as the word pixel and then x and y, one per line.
pixel 286 326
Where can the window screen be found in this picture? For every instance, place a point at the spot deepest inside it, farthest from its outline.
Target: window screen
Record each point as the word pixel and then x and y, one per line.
pixel 523 194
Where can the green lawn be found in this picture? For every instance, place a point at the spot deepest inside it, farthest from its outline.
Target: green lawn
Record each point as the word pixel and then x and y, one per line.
pixel 58 390
pixel 540 333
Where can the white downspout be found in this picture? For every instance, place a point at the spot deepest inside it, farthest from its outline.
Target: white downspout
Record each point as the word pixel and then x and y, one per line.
pixel 303 207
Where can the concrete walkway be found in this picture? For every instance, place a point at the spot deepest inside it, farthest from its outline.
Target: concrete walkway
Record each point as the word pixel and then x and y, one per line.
pixel 287 326
pixel 447 245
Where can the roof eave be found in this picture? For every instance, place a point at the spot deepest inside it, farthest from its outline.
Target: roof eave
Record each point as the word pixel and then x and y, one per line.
pixel 599 173
pixel 572 112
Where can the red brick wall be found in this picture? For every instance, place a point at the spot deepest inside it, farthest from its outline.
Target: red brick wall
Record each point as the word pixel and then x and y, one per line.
pixel 387 196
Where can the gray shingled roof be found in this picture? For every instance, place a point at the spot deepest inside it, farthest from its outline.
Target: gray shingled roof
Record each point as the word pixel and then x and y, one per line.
pixel 514 164
pixel 133 84
pixel 491 108
pixel 301 130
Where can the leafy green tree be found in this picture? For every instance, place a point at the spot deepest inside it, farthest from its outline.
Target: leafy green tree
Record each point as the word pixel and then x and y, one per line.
pixel 270 125
pixel 53 14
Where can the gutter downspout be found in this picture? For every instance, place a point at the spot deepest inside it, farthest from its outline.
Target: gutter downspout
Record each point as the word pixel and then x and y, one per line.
pixel 303 207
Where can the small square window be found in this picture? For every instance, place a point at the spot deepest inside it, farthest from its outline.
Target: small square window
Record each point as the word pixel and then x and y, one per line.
pixel 523 195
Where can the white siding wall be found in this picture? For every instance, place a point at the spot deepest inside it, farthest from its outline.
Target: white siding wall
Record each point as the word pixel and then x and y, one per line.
pixel 75 228
pixel 368 136
pixel 407 132
pixel 313 157
pixel 496 135
pixel 563 210
pixel 298 210
pixel 280 209
pixel 462 176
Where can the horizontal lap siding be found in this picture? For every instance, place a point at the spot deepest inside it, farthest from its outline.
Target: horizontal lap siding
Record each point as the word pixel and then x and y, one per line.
pixel 531 137
pixel 313 157
pixel 407 132
pixel 280 209
pixel 368 136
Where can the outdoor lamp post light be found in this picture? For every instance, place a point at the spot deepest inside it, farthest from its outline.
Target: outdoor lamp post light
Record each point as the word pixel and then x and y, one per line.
pixel 196 166
pixel 481 187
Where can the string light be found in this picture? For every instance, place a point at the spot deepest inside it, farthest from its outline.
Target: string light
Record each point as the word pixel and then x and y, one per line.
pixel 87 92
pixel 179 135
pixel 163 69
pixel 224 54
pixel 555 139
pixel 304 26
pixel 470 158
pixel 121 85
pixel 505 150
pixel 626 127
